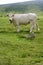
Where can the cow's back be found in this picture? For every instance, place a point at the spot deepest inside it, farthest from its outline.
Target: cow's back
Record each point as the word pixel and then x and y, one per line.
pixel 21 18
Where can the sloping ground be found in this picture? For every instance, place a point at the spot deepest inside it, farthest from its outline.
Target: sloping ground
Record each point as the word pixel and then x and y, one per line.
pixel 29 6
pixel 16 50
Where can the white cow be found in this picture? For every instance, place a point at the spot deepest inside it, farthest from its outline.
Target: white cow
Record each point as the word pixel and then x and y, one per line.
pixel 24 19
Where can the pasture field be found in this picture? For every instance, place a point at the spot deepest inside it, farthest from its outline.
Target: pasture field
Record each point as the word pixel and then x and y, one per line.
pixel 16 50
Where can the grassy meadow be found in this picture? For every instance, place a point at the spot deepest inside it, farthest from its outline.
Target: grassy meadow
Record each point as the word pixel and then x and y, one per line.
pixel 16 50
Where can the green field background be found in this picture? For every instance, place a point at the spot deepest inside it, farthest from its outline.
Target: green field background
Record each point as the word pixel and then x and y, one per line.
pixel 16 50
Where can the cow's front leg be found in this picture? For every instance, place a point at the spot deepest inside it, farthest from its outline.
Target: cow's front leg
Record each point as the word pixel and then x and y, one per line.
pixel 18 28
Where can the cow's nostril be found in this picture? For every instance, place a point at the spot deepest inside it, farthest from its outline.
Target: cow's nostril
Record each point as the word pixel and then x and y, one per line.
pixel 9 20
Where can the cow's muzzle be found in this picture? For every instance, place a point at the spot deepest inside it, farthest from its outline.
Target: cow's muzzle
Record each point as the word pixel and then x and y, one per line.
pixel 10 21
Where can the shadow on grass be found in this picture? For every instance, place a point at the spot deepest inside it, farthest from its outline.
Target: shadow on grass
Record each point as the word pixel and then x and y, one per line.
pixel 37 32
pixel 14 32
pixel 22 34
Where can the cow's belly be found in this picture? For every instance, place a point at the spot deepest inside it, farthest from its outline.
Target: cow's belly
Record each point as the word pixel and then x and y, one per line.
pixel 24 22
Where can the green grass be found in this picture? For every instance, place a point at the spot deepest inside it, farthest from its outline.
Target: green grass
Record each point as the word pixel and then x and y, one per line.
pixel 16 50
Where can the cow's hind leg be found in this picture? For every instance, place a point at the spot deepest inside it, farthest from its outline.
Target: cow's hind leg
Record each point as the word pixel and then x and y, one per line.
pixel 31 26
pixel 34 25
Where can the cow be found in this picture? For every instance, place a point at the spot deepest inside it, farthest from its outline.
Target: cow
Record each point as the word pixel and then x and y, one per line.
pixel 24 19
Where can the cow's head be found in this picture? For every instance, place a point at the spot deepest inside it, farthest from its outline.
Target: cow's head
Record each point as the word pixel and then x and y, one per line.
pixel 11 17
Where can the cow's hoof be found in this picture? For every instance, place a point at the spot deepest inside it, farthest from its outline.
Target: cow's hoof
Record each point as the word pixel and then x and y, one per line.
pixel 32 35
